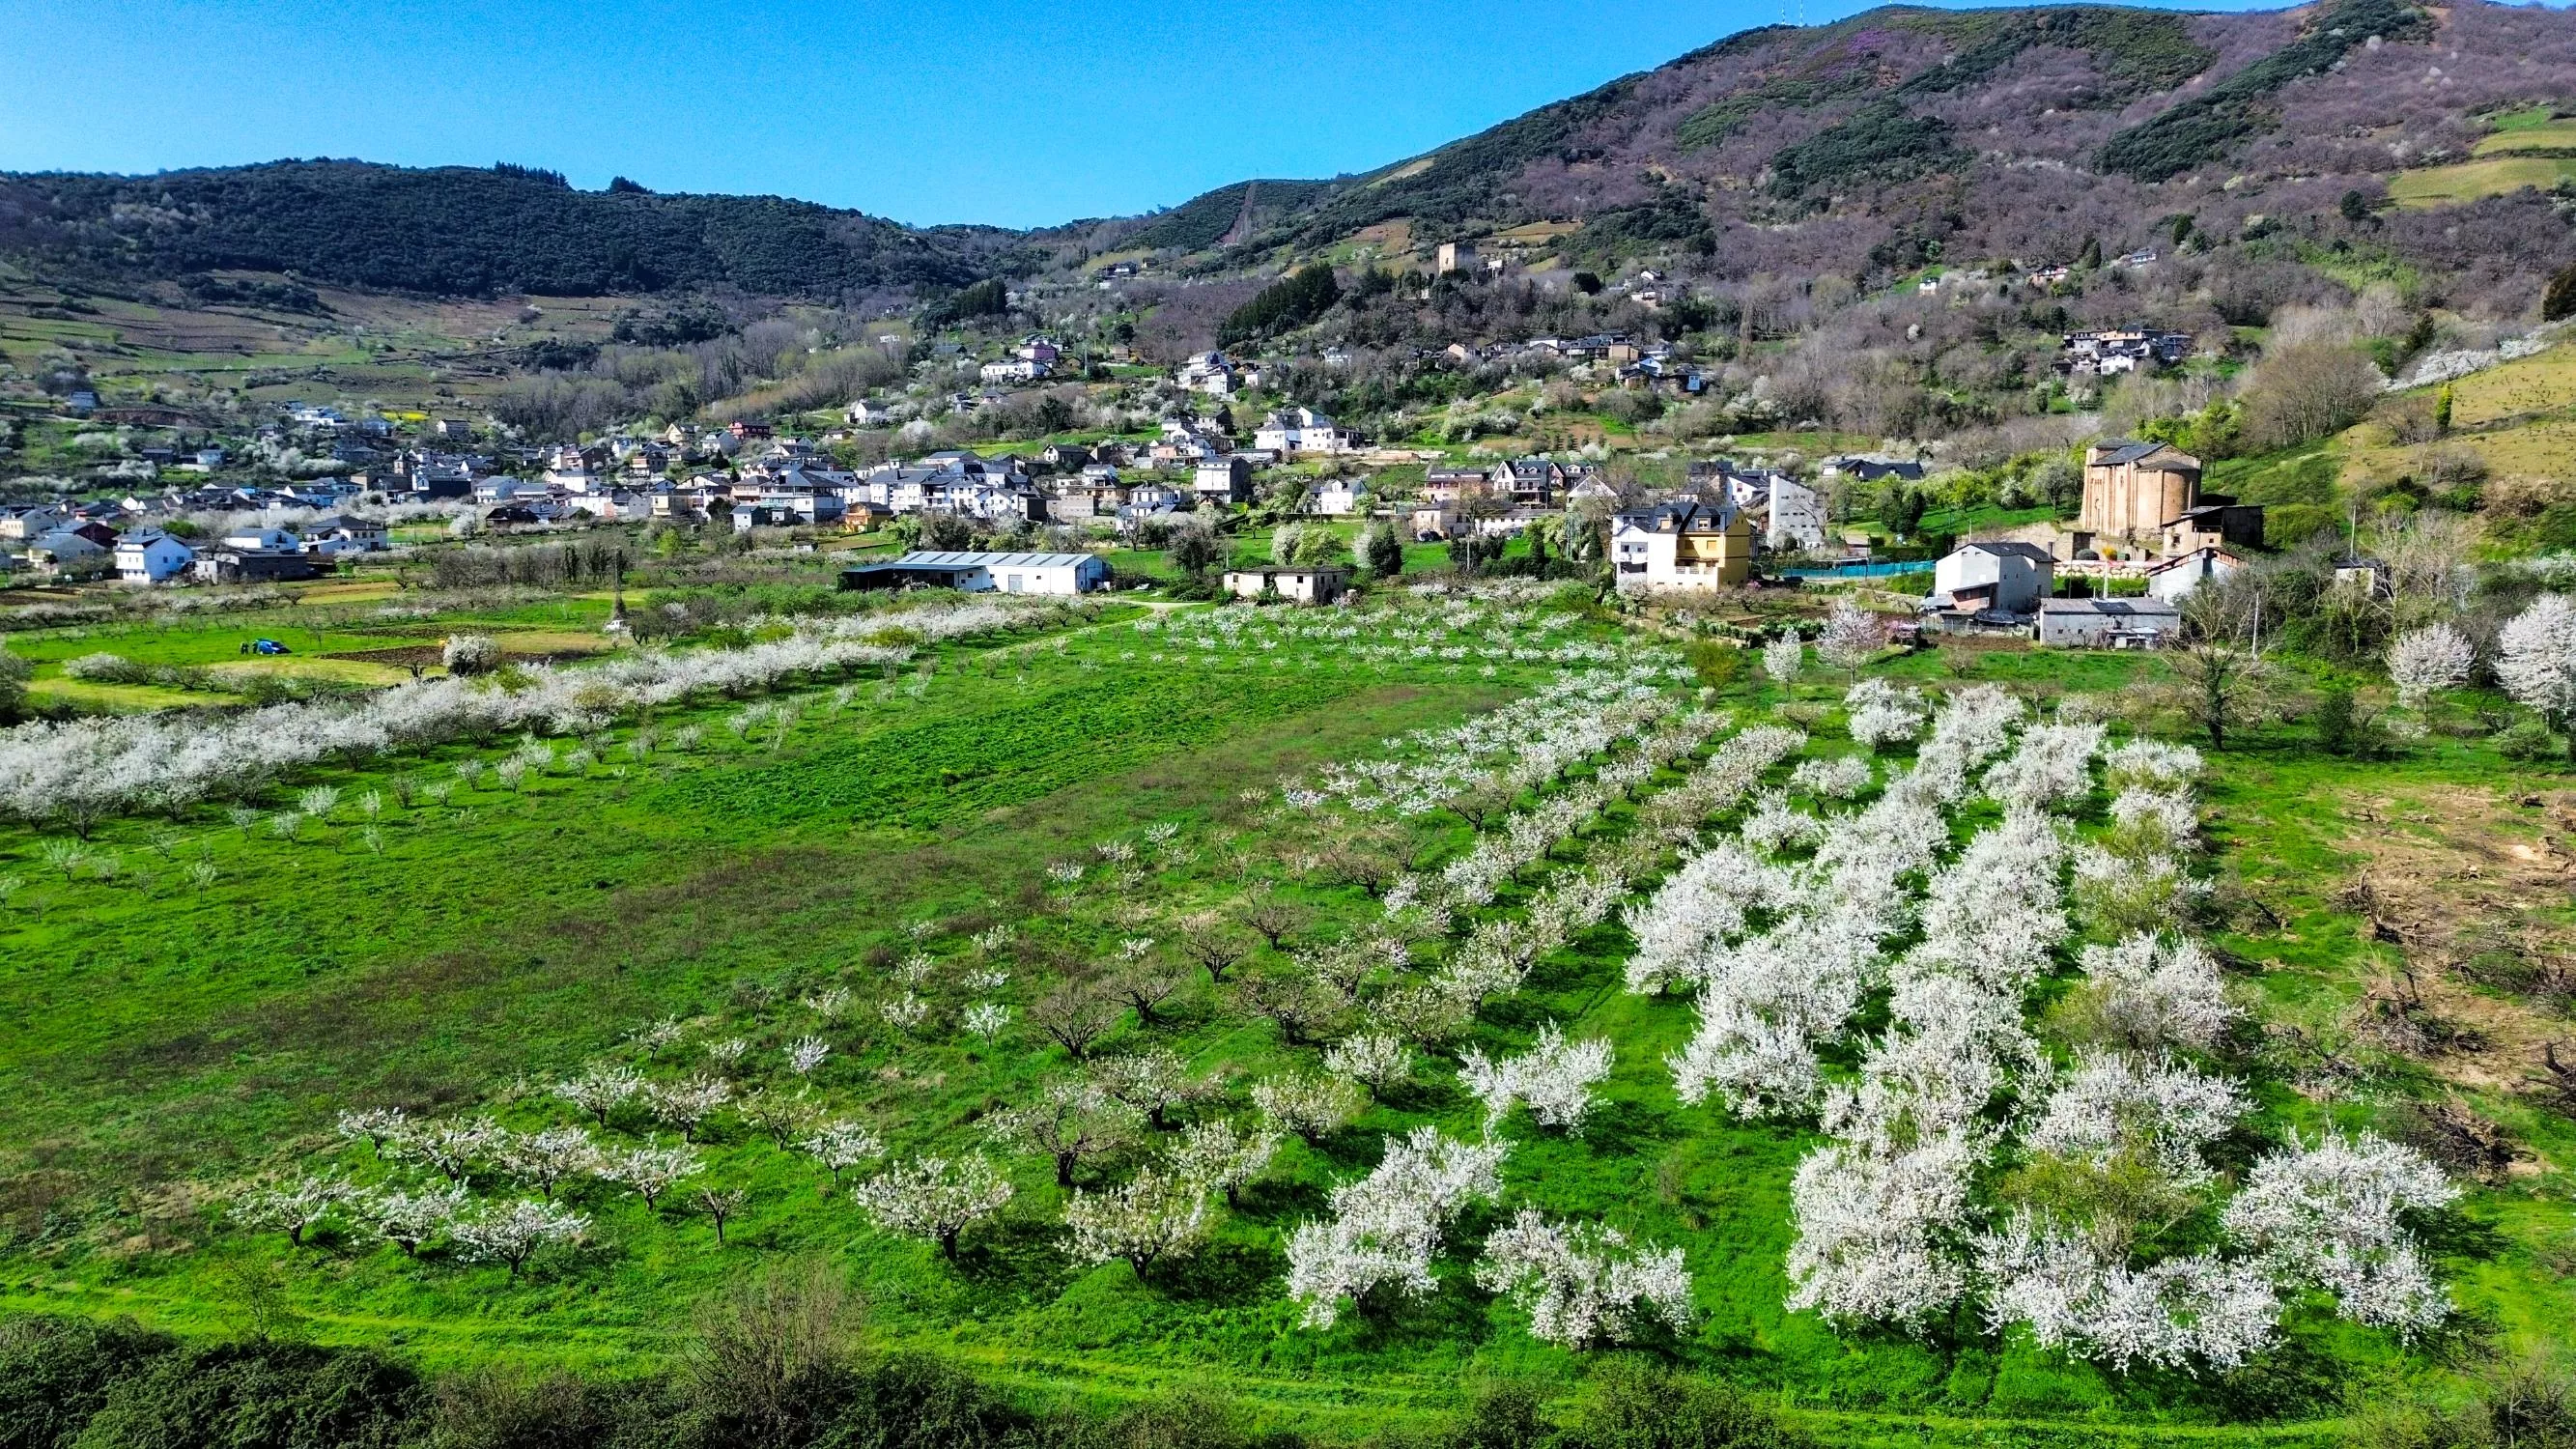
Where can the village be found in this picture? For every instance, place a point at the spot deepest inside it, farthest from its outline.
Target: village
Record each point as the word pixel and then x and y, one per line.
pixel 1046 520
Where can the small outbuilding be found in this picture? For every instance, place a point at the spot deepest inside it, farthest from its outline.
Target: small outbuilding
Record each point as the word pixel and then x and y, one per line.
pixel 1299 583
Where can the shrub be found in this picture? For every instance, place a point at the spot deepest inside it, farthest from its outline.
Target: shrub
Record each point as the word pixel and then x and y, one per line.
pixel 471 654
pixel 2525 739
pixel 1638 1407
pixel 104 668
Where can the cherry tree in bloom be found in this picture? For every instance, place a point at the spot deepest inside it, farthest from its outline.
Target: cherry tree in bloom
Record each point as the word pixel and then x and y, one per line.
pixel 1222 1157
pixel 453 1149
pixel 2077 1294
pixel 986 1020
pixel 936 1198
pixel 550 1157
pixel 2156 821
pixel 293 1207
pixel 1764 1006
pixel 1378 1061
pixel 649 1170
pixel 2421 661
pixel 512 1232
pixel 2145 764
pixel 1783 658
pixel 1153 1215
pixel 2328 1214
pixel 601 1089
pixel 806 1053
pixel 410 1219
pixel 1775 825
pixel 1312 1107
pixel 1554 1077
pixel 1838 778
pixel 379 1127
pixel 2536 657
pixel 1155 1082
pixel 2113 1101
pixel 1581 1283
pixel 687 1105
pixel 1386 1227
pixel 2053 766
pixel 1882 713
pixel 840 1146
pixel 1852 637
pixel 2149 989
pixel 2125 895
pixel 1873 1230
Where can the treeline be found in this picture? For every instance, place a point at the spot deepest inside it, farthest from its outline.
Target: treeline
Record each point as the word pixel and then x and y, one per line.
pixel 1292 301
pixel 542 565
pixel 463 231
pixel 2207 126
pixel 765 1372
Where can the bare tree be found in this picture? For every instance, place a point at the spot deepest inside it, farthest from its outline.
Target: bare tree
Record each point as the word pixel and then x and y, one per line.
pixel 1146 986
pixel 1071 1120
pixel 1273 918
pixel 720 1203
pixel 1076 1014
pixel 768 1342
pixel 2217 687
pixel 1206 939
pixel 1302 1011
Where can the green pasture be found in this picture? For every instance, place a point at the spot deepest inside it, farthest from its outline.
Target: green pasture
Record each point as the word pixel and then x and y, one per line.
pixel 168 1041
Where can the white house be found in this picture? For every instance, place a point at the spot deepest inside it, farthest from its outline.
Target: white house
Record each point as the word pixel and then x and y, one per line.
pixel 1014 369
pixel 264 540
pixel 344 533
pixel 1208 373
pixel 1341 497
pixel 1797 520
pixel 1301 583
pixel 1291 432
pixel 1223 480
pixel 869 414
pixel 2175 578
pixel 2005 578
pixel 149 556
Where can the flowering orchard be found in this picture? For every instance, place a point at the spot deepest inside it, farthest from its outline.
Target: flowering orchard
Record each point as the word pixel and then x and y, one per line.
pixel 1466 979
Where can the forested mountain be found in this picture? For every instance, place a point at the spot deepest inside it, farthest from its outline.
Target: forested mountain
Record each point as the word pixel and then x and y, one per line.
pixel 1899 136
pixel 466 231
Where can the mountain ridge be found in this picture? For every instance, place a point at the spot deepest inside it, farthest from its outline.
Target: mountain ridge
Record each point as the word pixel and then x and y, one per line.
pixel 1902 127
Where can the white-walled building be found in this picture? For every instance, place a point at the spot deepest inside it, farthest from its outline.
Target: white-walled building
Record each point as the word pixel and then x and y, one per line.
pixel 149 556
pixel 2004 578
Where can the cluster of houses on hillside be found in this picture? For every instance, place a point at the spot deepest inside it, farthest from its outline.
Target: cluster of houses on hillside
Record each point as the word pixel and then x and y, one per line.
pixel 50 541
pixel 2144 522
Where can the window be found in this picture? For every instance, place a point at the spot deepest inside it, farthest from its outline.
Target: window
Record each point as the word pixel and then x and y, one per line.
pixel 1011 583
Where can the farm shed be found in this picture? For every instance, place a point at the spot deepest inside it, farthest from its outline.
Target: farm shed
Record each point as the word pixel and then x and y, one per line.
pixel 982 572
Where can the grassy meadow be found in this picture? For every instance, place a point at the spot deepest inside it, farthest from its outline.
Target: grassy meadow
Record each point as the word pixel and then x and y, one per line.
pixel 175 1034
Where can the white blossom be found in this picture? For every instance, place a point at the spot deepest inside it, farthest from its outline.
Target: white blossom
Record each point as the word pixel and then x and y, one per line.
pixel 840 1146
pixel 1150 1216
pixel 511 1232
pixel 1581 1283
pixel 1839 777
pixel 1376 1060
pixel 2329 1215
pixel 806 1053
pixel 2536 656
pixel 1881 713
pixel 1554 1077
pixel 2076 1295
pixel 2150 989
pixel 1386 1227
pixel 2421 661
pixel 1312 1107
pixel 934 1197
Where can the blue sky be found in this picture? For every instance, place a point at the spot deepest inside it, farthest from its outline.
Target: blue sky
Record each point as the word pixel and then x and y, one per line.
pixel 1006 111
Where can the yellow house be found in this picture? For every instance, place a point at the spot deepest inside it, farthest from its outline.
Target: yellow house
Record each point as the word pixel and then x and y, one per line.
pixel 1684 544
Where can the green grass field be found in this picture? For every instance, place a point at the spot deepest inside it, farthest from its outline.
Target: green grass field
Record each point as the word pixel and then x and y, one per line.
pixel 172 1039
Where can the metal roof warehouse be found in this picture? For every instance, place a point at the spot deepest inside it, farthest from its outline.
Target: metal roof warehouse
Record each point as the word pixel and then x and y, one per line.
pixel 977 572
